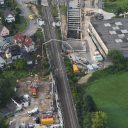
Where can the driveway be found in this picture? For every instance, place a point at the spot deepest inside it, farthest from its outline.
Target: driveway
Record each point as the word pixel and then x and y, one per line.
pixel 98 8
pixel 32 25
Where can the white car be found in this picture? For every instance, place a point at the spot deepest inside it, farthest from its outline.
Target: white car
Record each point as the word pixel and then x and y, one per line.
pixel 90 67
pixel 33 111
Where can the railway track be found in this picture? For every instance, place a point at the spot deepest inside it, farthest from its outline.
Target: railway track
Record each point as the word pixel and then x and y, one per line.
pixel 57 64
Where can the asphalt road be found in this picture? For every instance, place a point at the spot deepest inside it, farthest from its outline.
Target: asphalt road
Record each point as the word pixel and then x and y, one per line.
pixel 57 64
pixel 32 27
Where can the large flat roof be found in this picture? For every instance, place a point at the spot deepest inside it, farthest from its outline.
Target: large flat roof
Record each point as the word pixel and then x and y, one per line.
pixel 113 32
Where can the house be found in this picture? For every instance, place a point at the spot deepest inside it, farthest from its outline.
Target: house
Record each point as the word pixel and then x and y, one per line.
pixel 28 44
pixel 24 42
pixel 2 62
pixel 3 31
pixel 1 2
pixel 4 43
pixel 9 16
pixel 13 52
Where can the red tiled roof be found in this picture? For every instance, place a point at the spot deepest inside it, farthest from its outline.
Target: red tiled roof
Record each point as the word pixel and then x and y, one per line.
pixel 19 37
pixel 25 40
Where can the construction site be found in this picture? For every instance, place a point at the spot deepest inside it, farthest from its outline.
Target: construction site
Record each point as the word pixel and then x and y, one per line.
pixel 38 106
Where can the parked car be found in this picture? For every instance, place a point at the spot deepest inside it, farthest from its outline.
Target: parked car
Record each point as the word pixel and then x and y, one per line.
pixel 33 111
pixel 31 17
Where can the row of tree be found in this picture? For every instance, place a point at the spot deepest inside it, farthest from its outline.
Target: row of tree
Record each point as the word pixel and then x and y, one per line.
pixel 88 114
pixel 118 60
pixel 3 123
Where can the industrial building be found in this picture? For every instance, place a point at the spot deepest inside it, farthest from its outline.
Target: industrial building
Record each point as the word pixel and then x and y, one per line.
pixel 109 34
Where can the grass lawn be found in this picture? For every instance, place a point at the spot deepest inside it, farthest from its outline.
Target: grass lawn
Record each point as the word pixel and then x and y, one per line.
pixel 54 10
pixel 110 94
pixel 22 25
pixel 112 6
pixel 63 10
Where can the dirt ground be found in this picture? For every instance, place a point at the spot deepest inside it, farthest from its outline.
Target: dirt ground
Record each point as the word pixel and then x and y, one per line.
pixel 84 79
pixel 44 100
pixel 64 26
pixel 34 9
pixel 44 97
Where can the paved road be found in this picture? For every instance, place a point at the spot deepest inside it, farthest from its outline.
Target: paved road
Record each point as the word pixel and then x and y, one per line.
pixel 68 108
pixel 32 27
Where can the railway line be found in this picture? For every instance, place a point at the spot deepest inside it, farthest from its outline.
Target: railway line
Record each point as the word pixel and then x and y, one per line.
pixel 58 68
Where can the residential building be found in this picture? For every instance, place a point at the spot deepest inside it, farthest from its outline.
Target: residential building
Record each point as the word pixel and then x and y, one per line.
pixel 3 31
pixel 2 62
pixel 1 2
pixel 9 16
pixel 4 43
pixel 110 34
pixel 13 52
pixel 24 42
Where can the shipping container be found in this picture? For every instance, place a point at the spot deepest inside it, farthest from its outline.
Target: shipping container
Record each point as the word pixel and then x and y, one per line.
pixel 75 68
pixel 47 121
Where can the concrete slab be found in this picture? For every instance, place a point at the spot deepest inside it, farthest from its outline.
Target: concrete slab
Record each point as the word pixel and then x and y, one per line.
pixel 75 44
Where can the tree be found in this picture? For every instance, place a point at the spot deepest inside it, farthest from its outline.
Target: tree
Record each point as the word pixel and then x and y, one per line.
pixel 88 104
pixel 2 19
pixel 3 123
pixel 20 64
pixel 99 120
pixel 87 121
pixel 118 59
pixel 6 91
pixel 18 11
pixel 119 11
pixel 91 104
pixel 17 17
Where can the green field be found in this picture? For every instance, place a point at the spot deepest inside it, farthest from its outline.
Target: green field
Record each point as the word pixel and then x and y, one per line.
pixel 110 94
pixel 112 6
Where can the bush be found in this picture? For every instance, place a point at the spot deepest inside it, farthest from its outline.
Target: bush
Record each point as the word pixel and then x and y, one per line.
pixel 3 123
pixel 20 64
pixel 119 62
pixel 99 120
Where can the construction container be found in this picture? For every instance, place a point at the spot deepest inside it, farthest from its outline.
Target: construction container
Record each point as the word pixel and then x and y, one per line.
pixel 47 121
pixel 75 68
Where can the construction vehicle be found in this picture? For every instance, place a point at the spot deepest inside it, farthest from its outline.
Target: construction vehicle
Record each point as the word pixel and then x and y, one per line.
pixel 34 91
pixel 75 68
